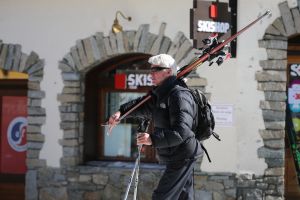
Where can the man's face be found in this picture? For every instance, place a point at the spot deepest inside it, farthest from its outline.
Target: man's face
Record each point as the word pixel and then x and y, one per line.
pixel 159 74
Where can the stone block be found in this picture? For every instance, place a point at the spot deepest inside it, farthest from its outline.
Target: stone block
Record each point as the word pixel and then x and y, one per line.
pixel 101 46
pixel 69 117
pixel 65 67
pixel 274 144
pixel 278 24
pixel 276 54
pixel 278 125
pixel 70 151
pixel 68 59
pixel 34 145
pixel 141 38
pixel 32 153
pixel 71 90
pixel 272 86
pixel 23 61
pixel 100 179
pixel 33 129
pixel 36 94
pixel 8 65
pixel 266 76
pixel 184 48
pixel 82 54
pixel 273 105
pixel 272 134
pixel 3 54
pixel 176 43
pixel 32 59
pixel 273 64
pixel 287 18
pixel 108 48
pixel 89 50
pixel 36 111
pixel 84 178
pixel 156 45
pixel 31 190
pixel 76 58
pixel 120 42
pixel 203 195
pixel 166 43
pixel 275 96
pixel 36 120
pixel 35 163
pixel 69 142
pixel 272 30
pixel 33 85
pixel 71 83
pixel 273 44
pixel 35 137
pixel 274 171
pixel 264 152
pixel 57 193
pixel 38 66
pixel 68 98
pixel 67 76
pixel 70 134
pixel 113 42
pixel 17 58
pixel 271 115
pixel 131 37
pixel 296 17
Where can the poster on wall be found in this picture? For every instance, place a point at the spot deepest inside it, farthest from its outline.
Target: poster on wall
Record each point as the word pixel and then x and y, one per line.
pixel 223 114
pixel 13 134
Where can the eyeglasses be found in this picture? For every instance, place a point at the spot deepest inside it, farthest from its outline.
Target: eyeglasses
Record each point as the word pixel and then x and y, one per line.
pixel 157 69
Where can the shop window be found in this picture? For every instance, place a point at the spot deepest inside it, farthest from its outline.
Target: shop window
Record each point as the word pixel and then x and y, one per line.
pixel 108 86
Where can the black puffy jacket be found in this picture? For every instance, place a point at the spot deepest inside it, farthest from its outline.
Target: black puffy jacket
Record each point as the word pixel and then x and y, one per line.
pixel 173 111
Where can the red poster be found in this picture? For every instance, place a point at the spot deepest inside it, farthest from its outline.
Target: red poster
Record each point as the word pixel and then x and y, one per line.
pixel 13 134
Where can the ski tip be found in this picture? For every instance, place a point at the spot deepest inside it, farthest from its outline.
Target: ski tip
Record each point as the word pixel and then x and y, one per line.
pixel 268 12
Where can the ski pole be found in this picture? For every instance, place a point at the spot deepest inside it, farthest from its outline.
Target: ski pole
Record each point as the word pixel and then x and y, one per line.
pixel 143 127
pixel 137 173
pixel 132 173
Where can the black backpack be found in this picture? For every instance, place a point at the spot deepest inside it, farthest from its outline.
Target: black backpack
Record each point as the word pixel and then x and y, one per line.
pixel 204 123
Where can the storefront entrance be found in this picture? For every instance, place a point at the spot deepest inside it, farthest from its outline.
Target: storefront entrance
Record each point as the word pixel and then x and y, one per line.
pixel 292 141
pixel 13 145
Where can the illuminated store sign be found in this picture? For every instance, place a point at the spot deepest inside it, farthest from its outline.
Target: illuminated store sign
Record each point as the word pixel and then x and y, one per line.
pixel 213 27
pixel 209 17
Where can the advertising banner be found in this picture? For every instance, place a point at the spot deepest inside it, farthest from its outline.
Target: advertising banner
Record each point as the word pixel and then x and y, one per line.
pixel 13 134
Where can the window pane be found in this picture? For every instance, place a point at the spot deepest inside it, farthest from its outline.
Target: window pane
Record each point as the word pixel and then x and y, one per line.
pixel 122 141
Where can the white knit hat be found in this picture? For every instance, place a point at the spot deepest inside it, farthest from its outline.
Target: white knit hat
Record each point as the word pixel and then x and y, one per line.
pixel 165 61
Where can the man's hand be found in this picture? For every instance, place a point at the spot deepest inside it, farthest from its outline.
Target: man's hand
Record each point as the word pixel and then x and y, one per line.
pixel 113 121
pixel 143 139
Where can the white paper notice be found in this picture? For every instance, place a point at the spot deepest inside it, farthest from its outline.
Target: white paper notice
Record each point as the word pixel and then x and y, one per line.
pixel 223 114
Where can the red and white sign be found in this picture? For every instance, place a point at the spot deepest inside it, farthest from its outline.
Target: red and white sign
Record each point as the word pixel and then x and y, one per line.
pixel 13 134
pixel 132 81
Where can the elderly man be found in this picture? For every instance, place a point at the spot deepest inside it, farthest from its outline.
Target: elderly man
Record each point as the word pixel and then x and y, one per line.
pixel 172 110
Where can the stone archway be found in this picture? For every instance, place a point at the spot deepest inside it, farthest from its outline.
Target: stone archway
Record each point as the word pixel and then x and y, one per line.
pixel 90 52
pixel 272 81
pixel 13 59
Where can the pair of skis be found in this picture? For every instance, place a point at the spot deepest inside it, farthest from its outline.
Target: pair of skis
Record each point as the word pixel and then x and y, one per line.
pixel 215 52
